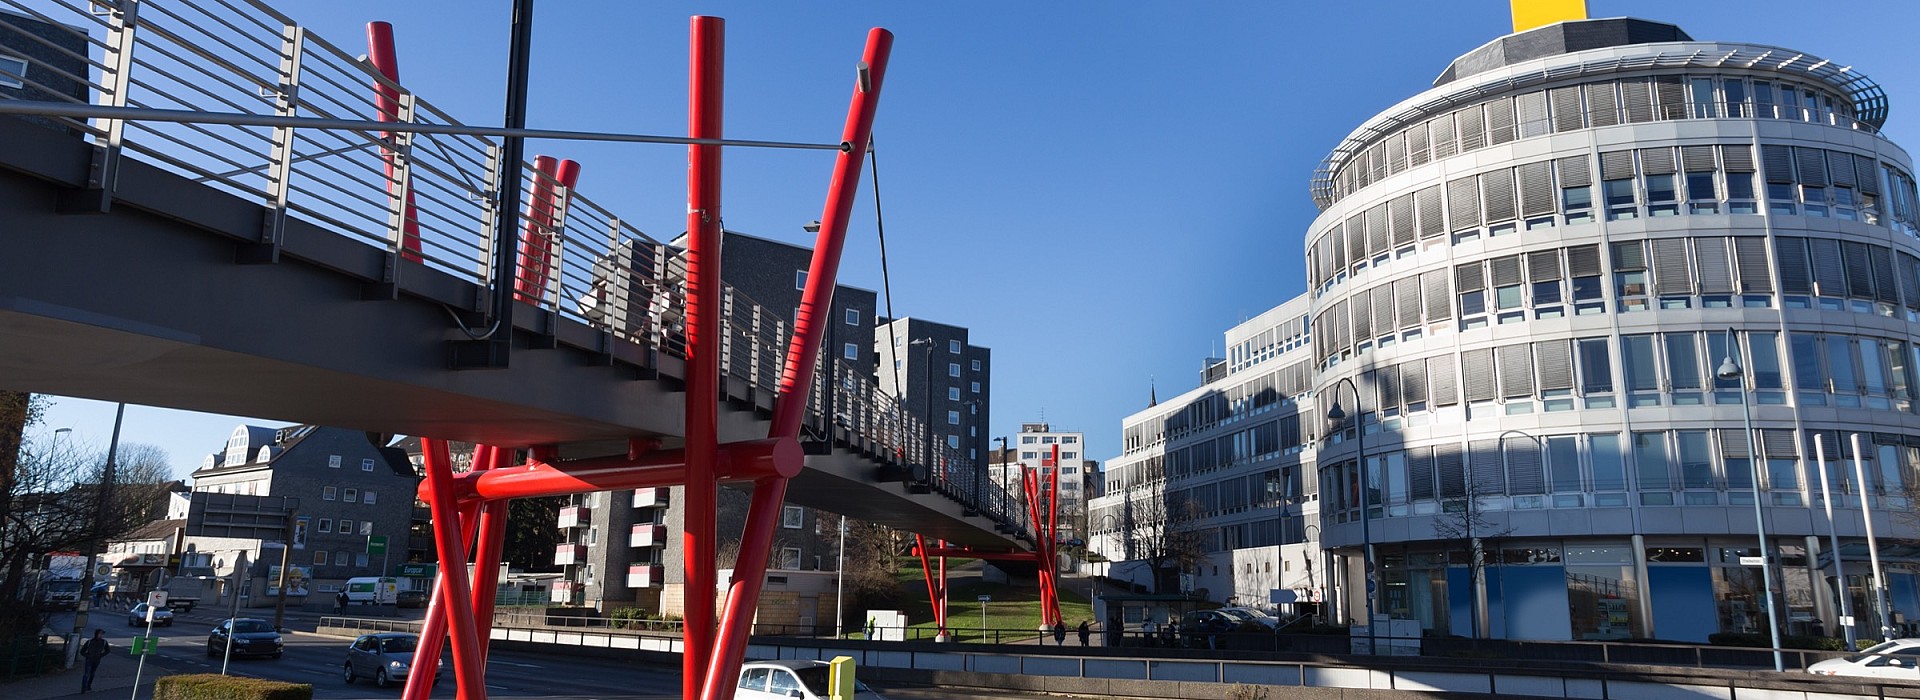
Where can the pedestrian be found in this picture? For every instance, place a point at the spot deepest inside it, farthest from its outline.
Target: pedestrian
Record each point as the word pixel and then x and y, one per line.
pixel 1059 633
pixel 869 629
pixel 94 650
pixel 1149 631
pixel 340 602
pixel 1086 632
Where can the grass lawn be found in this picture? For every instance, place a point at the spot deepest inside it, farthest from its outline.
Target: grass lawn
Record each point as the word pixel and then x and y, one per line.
pixel 1014 610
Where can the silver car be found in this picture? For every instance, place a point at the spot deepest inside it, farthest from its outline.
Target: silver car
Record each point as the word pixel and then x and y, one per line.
pixel 137 617
pixel 387 658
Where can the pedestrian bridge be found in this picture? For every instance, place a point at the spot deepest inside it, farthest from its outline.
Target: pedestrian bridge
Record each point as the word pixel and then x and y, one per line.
pixel 340 276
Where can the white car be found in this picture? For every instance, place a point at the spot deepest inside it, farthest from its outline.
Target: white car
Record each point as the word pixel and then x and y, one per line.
pixel 791 678
pixel 137 617
pixel 1899 658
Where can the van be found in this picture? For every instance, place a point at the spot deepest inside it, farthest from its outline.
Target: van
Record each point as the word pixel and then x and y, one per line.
pixel 372 590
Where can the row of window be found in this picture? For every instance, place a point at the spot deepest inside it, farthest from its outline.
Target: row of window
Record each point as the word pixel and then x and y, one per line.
pixel 1633 184
pixel 1664 273
pixel 349 495
pixel 1257 395
pixel 1574 107
pixel 346 526
pixel 1287 335
pixel 1663 467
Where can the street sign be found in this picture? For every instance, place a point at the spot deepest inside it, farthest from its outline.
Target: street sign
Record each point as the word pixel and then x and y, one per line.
pixel 986 599
pixel 376 545
pixel 415 570
pixel 1753 561
pixel 143 646
pixel 1282 596
pixel 156 599
pixel 1846 620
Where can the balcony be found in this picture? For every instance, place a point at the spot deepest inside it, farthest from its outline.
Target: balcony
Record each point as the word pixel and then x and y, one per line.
pixel 575 516
pixel 649 497
pixel 567 592
pixel 566 554
pixel 643 575
pixel 648 535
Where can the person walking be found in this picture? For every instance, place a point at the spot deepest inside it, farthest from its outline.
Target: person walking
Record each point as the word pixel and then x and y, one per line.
pixel 340 602
pixel 1059 633
pixel 1086 632
pixel 93 651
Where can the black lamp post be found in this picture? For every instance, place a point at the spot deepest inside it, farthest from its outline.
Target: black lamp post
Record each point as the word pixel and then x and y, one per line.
pixel 1336 417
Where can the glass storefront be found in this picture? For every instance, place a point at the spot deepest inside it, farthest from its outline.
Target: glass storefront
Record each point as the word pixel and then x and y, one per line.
pixel 1603 597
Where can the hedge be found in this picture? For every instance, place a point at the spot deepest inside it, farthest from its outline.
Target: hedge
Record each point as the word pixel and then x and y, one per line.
pixel 212 686
pixel 1756 639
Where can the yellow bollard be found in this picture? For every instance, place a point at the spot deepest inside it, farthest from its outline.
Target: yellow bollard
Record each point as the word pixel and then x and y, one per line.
pixel 840 678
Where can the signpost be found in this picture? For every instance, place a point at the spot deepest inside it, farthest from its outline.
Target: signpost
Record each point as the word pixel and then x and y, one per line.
pixel 984 600
pixel 144 646
pixel 377 544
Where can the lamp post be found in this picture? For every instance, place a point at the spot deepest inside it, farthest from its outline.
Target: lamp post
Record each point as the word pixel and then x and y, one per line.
pixel 1001 483
pixel 1337 416
pixel 1730 369
pixel 926 403
pixel 840 581
pixel 102 501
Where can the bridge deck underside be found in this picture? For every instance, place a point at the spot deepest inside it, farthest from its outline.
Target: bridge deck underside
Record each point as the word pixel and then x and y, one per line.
pixel 146 304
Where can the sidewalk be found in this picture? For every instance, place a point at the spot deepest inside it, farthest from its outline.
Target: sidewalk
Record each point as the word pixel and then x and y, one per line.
pixel 114 680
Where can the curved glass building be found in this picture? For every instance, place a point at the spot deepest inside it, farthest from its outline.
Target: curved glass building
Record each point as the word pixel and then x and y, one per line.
pixel 1547 295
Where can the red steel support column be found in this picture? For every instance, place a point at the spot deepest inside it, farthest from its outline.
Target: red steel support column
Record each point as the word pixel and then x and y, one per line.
pixel 536 239
pixel 704 100
pixel 1053 538
pixel 926 573
pixel 433 629
pixel 386 100
pixel 468 667
pixel 750 460
pixel 486 562
pixel 816 302
pixel 743 593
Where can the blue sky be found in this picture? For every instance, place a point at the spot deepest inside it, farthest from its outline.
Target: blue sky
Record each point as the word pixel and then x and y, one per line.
pixel 1097 190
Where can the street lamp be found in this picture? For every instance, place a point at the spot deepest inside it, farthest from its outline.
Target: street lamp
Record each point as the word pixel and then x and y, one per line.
pixel 102 500
pixel 1336 417
pixel 1730 369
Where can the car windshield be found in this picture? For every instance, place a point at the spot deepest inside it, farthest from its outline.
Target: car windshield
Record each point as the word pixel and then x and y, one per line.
pixel 1867 653
pixel 815 678
pixel 247 626
pixel 1237 614
pixel 396 645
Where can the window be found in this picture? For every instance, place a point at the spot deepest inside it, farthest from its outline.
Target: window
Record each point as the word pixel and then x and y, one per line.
pixel 851 351
pixel 1740 194
pixel 953 441
pixel 1596 372
pixel 1028 439
pixel 790 560
pixel 1609 468
pixel 1641 369
pixel 793 517
pixel 360 559
pixel 326 525
pixel 367 498
pixel 12 72
pixel 976 365
pixel 1683 368
pixel 346 526
pixel 1069 440
pixel 799 279
pixel 953 393
pixel 1069 455
pixel 853 317
pixel 333 461
pixel 953 417
pixel 320 557
pixel 351 496
pixel 953 369
pixel 1662 196
pixel 976 387
pixel 366 527
pixel 1630 276
pixel 366 465
pixel 329 493
pixel 1621 203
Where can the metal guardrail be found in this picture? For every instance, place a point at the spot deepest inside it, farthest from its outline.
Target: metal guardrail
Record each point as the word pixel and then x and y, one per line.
pixel 419 197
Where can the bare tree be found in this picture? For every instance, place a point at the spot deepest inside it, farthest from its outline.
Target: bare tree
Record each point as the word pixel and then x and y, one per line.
pixel 1160 533
pixel 56 502
pixel 1467 524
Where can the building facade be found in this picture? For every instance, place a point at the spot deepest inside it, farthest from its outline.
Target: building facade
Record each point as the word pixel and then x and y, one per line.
pixel 1547 294
pixel 1034 449
pixel 941 377
pixel 348 487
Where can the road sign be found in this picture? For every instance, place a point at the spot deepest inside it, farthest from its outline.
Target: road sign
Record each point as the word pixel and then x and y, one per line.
pixel 376 545
pixel 1753 561
pixel 143 646
pixel 986 599
pixel 157 599
pixel 1281 596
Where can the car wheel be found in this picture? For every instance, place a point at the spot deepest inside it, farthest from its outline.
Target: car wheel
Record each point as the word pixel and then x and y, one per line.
pixel 380 678
pixel 350 678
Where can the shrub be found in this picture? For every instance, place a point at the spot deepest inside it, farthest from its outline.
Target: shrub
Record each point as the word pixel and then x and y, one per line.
pixel 209 686
pixel 1756 639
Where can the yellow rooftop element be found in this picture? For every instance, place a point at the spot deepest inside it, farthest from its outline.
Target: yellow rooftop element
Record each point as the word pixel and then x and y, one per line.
pixel 1528 14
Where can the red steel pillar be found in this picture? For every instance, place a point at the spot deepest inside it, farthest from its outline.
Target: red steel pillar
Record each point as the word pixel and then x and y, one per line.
pixel 537 238
pixel 433 629
pixel 468 667
pixel 1053 538
pixel 486 562
pixel 386 100
pixel 933 593
pixel 704 100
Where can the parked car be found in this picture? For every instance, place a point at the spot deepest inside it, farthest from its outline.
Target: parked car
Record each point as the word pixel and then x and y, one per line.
pixel 791 678
pixel 410 599
pixel 1208 622
pixel 137 617
pixel 1899 658
pixel 386 658
pixel 1251 615
pixel 250 637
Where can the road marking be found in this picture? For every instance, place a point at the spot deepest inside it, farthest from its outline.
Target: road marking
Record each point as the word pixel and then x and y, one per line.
pixel 511 663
